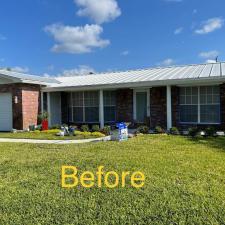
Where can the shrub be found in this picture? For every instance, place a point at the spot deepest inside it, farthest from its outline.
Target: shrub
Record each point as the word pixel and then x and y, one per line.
pixel 37 131
pixel 43 116
pixel 193 131
pixel 52 131
pixel 159 130
pixel 106 130
pixel 84 128
pixel 77 132
pixel 174 131
pixel 86 134
pixel 143 129
pixel 210 131
pixel 97 134
pixel 95 128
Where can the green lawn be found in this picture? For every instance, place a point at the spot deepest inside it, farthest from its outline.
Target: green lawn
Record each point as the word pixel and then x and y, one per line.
pixel 42 136
pixel 185 183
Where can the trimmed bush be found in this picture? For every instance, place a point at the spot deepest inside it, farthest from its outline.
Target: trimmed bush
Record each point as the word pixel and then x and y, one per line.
pixel 97 134
pixel 210 131
pixel 143 129
pixel 174 131
pixel 159 130
pixel 77 132
pixel 84 128
pixel 193 131
pixel 106 130
pixel 95 128
pixel 52 131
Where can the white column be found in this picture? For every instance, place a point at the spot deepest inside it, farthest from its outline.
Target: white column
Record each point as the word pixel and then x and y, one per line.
pixel 134 106
pixel 169 107
pixel 42 102
pixel 101 109
pixel 49 107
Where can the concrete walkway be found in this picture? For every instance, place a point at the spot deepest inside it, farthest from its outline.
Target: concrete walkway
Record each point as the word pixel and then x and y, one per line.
pixel 34 141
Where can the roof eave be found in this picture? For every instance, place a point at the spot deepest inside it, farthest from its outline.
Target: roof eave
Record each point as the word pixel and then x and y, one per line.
pixel 177 82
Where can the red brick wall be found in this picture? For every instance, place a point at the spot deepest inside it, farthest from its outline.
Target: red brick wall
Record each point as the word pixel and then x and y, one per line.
pixel 175 106
pixel 30 105
pixel 124 105
pixel 25 111
pixel 158 107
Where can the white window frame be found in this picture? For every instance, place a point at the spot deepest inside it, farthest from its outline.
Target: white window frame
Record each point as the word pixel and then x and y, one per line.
pixel 83 107
pixel 199 107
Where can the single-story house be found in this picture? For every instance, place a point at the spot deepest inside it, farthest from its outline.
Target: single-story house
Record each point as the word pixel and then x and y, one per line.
pixel 180 96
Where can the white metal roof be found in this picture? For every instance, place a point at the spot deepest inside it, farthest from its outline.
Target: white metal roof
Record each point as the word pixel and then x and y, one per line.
pixel 153 76
pixel 26 78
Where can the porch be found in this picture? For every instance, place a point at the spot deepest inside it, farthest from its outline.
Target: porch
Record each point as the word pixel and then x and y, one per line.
pixel 164 106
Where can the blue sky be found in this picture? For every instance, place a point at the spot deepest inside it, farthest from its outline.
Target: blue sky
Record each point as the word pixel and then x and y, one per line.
pixel 59 37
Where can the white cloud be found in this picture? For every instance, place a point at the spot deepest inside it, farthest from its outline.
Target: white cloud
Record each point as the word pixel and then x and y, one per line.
pixel 76 40
pixel 82 70
pixel 125 53
pixel 178 30
pixel 100 11
pixel 20 69
pixel 2 37
pixel 210 54
pixel 167 62
pixel 210 25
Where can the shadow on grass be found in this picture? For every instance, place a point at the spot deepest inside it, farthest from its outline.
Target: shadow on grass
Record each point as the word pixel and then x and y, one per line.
pixel 211 142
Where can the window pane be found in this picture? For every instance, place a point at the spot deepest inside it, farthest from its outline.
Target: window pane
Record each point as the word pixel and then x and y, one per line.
pixel 78 114
pixel 194 91
pixel 210 113
pixel 182 91
pixel 188 99
pixel 110 113
pixel 91 98
pixel 194 99
pixel 188 91
pixel 216 99
pixel 109 98
pixel 182 99
pixel 203 99
pixel 91 114
pixel 189 113
pixel 77 98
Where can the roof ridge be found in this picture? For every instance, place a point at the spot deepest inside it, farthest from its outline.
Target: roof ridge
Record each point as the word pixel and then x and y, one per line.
pixel 143 69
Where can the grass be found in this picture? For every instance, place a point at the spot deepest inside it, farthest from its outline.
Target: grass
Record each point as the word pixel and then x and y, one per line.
pixel 185 182
pixel 42 136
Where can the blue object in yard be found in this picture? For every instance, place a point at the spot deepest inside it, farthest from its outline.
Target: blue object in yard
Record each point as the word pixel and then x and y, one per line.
pixel 71 130
pixel 123 131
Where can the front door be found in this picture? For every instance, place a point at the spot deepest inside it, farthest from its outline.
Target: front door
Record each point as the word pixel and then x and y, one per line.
pixel 141 106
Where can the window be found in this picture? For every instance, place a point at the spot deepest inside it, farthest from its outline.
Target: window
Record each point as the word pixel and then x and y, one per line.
pixel 200 104
pixel 84 107
pixel 110 106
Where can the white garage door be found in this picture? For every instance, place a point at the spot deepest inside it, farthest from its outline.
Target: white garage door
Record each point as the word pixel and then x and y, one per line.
pixel 5 112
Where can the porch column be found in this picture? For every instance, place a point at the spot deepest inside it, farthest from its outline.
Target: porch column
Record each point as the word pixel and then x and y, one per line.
pixel 49 107
pixel 169 107
pixel 101 109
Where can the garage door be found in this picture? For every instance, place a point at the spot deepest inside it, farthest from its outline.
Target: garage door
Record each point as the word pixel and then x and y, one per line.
pixel 5 112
